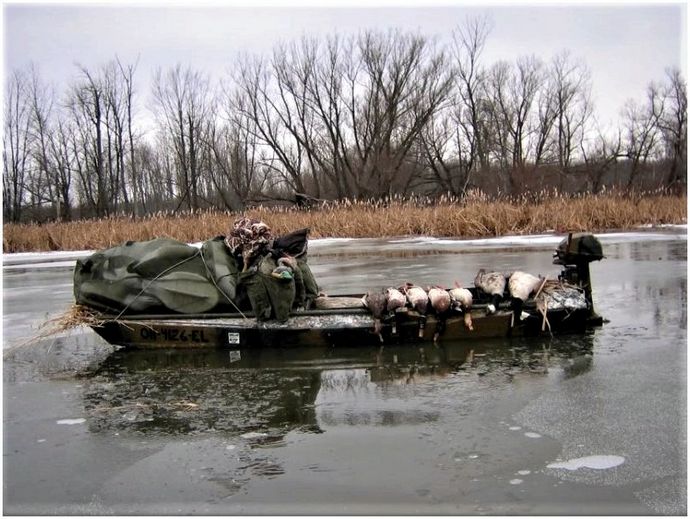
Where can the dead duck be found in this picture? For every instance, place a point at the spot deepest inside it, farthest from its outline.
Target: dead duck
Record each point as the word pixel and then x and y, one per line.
pixel 285 269
pixel 375 302
pixel 461 301
pixel 521 286
pixel 419 301
pixel 439 298
pixel 395 301
pixel 493 284
pixel 288 261
pixel 282 272
pixel 440 302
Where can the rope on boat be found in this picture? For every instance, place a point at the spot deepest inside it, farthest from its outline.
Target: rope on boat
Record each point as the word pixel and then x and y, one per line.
pixel 541 298
pixel 213 280
pixel 162 273
pixel 182 262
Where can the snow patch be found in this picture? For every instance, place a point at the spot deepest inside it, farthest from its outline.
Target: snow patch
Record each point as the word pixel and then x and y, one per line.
pixel 600 462
pixel 253 435
pixel 71 421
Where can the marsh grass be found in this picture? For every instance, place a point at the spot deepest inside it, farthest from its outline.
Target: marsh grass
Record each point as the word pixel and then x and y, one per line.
pixel 73 317
pixel 475 216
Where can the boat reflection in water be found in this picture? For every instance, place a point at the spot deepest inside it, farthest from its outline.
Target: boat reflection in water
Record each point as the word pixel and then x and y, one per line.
pixel 275 391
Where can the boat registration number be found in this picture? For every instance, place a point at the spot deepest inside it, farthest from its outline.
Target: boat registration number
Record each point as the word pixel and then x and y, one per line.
pixel 233 338
pixel 174 335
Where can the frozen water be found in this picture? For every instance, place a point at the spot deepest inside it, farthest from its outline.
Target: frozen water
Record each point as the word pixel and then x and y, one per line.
pixel 253 435
pixel 71 421
pixel 591 462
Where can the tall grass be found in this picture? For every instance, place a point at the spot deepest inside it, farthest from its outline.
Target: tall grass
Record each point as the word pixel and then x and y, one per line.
pixel 474 216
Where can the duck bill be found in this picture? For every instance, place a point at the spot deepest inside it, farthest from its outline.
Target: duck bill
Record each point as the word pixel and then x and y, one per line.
pixel 422 324
pixel 468 321
pixel 246 259
pixel 377 327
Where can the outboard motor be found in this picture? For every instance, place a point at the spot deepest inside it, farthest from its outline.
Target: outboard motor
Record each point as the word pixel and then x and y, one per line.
pixel 575 253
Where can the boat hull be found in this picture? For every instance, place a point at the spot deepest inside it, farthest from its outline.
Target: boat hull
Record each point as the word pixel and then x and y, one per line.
pixel 331 328
pixel 559 306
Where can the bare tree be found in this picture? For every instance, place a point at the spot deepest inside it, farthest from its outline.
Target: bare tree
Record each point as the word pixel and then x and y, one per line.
pixel 51 153
pixel 600 158
pixel 116 109
pixel 87 106
pixel 326 89
pixel 467 47
pixel 16 145
pixel 673 124
pixel 183 103
pixel 127 74
pixel 62 162
pixel 405 80
pixel 237 173
pixel 157 184
pixel 512 94
pixel 641 127
pixel 447 155
pixel 570 85
pixel 454 143
pixel 255 84
pixel 41 184
pixel 344 115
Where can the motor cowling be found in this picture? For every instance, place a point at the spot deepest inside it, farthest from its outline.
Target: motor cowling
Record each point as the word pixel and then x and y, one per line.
pixel 575 253
pixel 578 249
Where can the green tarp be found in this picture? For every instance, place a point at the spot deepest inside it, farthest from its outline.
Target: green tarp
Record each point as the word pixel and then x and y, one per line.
pixel 164 275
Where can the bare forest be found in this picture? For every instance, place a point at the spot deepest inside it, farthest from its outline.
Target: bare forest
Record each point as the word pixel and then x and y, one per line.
pixel 371 116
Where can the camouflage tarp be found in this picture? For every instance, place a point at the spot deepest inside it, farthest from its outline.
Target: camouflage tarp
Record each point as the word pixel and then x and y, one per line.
pixel 163 275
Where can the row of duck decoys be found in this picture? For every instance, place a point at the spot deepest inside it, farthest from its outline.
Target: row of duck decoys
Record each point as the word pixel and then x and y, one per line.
pixel 443 302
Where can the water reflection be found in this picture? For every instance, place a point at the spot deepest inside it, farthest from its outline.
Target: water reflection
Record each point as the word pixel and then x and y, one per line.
pixel 647 251
pixel 275 391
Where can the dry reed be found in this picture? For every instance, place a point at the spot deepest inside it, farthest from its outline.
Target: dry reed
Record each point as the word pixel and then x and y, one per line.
pixel 76 315
pixel 474 216
pixel 73 317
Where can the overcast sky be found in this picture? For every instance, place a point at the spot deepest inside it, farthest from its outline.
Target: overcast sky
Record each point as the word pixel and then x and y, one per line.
pixel 625 45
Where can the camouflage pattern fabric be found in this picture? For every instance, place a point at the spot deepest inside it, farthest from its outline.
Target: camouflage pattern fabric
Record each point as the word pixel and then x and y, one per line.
pixel 248 238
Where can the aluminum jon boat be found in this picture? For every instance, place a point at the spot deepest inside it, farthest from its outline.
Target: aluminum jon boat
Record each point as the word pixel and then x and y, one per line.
pixel 561 306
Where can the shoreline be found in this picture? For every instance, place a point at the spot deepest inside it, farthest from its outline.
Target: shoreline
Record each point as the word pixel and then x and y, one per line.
pixel 545 239
pixel 472 219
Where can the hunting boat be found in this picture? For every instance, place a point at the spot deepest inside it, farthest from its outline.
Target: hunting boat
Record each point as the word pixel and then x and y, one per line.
pixel 562 305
